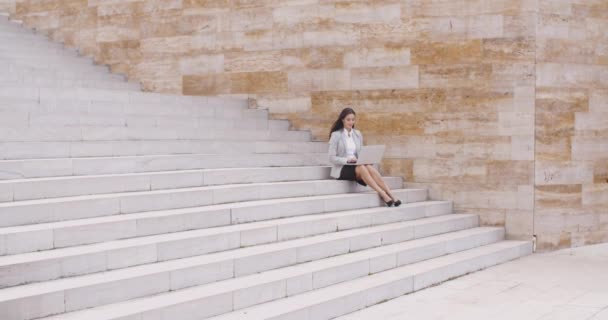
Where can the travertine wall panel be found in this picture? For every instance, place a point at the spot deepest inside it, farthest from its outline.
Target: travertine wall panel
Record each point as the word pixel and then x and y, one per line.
pixel 499 105
pixel 571 197
pixel 8 6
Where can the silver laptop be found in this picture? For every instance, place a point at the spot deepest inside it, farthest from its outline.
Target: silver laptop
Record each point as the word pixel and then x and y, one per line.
pixel 370 155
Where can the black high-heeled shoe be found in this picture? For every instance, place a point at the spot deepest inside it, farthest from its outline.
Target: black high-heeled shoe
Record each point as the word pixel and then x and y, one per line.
pixel 397 203
pixel 389 204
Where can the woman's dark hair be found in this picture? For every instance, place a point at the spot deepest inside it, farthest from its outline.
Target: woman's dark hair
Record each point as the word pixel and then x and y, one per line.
pixel 339 125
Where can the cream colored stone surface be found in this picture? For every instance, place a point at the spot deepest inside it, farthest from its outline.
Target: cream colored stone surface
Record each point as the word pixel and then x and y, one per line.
pixel 7 6
pixel 499 105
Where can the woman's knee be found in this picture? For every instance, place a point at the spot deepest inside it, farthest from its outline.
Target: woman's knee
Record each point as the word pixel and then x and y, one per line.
pixel 361 170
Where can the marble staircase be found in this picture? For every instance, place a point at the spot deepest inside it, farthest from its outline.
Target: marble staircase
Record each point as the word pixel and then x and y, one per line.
pixel 119 204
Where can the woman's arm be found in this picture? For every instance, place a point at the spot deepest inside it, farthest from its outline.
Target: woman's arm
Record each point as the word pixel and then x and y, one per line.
pixel 333 149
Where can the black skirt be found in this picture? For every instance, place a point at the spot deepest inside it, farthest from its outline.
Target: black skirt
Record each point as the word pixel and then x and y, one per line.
pixel 348 173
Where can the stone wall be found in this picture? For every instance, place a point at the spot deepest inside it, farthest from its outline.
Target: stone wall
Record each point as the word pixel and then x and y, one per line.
pixel 473 98
pixel 7 6
pixel 571 201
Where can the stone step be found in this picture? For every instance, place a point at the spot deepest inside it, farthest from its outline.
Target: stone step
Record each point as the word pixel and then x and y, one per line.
pixel 63 52
pixel 76 66
pixel 77 149
pixel 88 259
pixel 295 292
pixel 73 113
pixel 62 74
pixel 209 118
pixel 47 236
pixel 118 286
pixel 37 168
pixel 51 120
pixel 20 80
pixel 46 60
pixel 313 244
pixel 31 43
pixel 57 134
pixel 82 96
pixel 45 188
pixel 100 205
pixel 337 300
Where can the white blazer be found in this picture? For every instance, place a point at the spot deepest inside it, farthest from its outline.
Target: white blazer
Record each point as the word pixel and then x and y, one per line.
pixel 337 150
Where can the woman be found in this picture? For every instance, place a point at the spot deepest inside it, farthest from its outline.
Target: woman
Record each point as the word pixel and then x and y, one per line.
pixel 344 145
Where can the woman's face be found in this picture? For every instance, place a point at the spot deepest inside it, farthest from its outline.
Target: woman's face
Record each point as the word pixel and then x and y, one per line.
pixel 349 121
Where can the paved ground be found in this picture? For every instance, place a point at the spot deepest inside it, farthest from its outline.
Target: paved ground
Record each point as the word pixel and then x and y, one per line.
pixel 569 284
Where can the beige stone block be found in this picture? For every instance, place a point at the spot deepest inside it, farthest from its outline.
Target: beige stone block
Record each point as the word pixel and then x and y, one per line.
pixel 521 24
pixel 589 148
pixel 489 148
pixel 516 123
pixel 213 84
pixel 367 12
pixel 485 26
pixel 487 217
pixel 167 46
pixel 9 6
pixel 510 172
pixel 459 75
pixel 487 199
pixel 561 101
pixel 525 197
pixel 553 241
pixel 250 19
pixel 202 64
pixel 553 26
pixel 319 80
pixel 116 8
pixel 566 51
pixel 253 61
pixel 509 49
pixel 513 74
pixel 302 14
pixel 287 39
pixel 563 172
pixel 379 34
pixel 313 58
pixel 258 82
pixel 161 5
pixel 522 147
pixel 568 75
pixel 117 33
pixel 443 28
pixel 286 105
pixel 519 224
pixel 377 57
pixel 595 195
pixel 600 171
pixel 257 40
pixel 384 78
pixel 330 38
pixel 584 121
pixel 559 7
pixel 558 198
pixel 598 102
pixel 589 237
pixel 455 171
pixel 524 99
pixel 447 52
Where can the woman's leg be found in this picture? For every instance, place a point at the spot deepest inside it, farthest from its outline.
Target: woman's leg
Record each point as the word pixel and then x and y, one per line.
pixel 362 173
pixel 379 181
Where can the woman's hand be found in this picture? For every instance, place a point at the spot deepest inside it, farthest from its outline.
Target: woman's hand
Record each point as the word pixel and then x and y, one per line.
pixel 351 160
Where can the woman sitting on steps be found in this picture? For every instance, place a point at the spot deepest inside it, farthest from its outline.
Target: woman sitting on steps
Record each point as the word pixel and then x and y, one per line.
pixel 344 145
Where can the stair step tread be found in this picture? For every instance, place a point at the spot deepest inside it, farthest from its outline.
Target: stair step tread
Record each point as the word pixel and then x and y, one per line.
pixel 290 304
pixel 70 251
pixel 237 282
